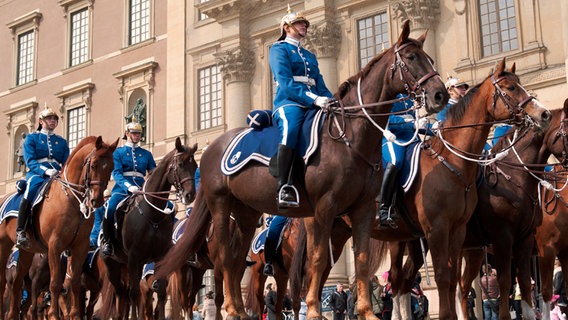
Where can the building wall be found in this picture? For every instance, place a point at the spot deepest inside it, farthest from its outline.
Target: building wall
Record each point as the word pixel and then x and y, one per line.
pixel 240 32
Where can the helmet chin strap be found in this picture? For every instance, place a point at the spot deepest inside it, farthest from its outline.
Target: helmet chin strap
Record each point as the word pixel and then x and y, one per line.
pixel 291 25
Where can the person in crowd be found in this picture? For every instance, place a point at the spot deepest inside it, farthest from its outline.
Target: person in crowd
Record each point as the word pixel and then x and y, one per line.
pixel 45 153
pixel 272 242
pixel 196 314
pixel 386 296
pixel 99 215
pixel 471 304
pixel 401 131
pixel 350 302
pixel 556 312
pixel 419 302
pixel 303 305
pixel 299 87
pixel 516 299
pixel 209 308
pixel 375 295
pixel 131 164
pixel 558 282
pixel 457 90
pixel 270 302
pixel 490 293
pixel 338 303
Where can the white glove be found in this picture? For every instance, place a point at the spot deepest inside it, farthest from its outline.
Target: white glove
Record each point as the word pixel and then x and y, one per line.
pixel 321 101
pixel 423 123
pixel 133 189
pixel 51 172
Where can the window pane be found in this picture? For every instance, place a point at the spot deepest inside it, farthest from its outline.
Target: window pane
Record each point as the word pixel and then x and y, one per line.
pixel 79 37
pixel 25 57
pixel 373 37
pixel 210 113
pixel 139 21
pixel 498 26
pixel 76 126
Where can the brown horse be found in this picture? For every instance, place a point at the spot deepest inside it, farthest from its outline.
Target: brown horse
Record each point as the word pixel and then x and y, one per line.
pixel 63 221
pixel 145 230
pixel 149 286
pixel 508 210
pixel 443 197
pixel 341 177
pixel 92 277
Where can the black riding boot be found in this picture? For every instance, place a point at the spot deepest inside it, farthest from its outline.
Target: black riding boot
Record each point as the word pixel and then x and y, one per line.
pixel 388 188
pixel 22 240
pixel 286 194
pixel 269 250
pixel 106 242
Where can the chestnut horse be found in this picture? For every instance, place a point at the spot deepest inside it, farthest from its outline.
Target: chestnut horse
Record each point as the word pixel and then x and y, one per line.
pixel 292 247
pixel 509 211
pixel 145 231
pixel 341 177
pixel 444 195
pixel 63 221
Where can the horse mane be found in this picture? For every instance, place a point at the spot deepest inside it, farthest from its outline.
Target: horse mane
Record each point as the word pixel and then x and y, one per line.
pixel 346 85
pixel 82 143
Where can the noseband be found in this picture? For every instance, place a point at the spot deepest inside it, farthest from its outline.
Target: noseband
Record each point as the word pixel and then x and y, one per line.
pixel 514 110
pixel 178 182
pixel 410 82
pixel 561 133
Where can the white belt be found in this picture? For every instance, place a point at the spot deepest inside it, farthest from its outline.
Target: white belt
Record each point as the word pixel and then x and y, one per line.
pixel 305 80
pixel 49 160
pixel 132 174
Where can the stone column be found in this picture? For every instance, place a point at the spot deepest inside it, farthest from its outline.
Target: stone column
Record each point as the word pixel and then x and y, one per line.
pixel 323 40
pixel 564 8
pixel 237 67
pixel 176 123
pixel 461 37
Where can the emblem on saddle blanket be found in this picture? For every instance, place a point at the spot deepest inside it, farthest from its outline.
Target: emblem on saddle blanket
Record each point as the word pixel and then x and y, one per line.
pixel 262 144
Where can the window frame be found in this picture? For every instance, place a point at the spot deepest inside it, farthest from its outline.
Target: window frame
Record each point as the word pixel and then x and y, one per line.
pixel 498 33
pixel 129 28
pixel 70 124
pixel 358 39
pixel 218 101
pixel 26 24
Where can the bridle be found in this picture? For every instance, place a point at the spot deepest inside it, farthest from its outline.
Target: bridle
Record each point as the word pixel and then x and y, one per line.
pixel 514 109
pixel 561 133
pixel 177 183
pixel 410 83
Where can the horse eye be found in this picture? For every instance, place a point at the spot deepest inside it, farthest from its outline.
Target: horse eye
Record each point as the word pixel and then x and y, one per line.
pixel 411 56
pixel 511 88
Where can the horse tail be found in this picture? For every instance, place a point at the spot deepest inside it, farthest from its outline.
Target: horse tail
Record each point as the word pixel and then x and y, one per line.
pixel 191 240
pixel 175 292
pixel 375 260
pixel 107 307
pixel 297 265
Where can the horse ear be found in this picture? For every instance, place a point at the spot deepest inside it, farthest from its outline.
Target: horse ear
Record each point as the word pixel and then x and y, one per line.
pixel 179 146
pixel 194 148
pixel 115 144
pixel 99 143
pixel 405 32
pixel 566 106
pixel 513 67
pixel 500 68
pixel 422 38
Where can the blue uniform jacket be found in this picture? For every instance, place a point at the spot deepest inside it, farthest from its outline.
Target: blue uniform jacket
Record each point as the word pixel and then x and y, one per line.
pixel 99 214
pixel 42 151
pixel 289 59
pixel 401 125
pixel 130 167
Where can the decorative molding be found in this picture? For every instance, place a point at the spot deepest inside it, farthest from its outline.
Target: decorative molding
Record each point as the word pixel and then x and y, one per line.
pixel 33 18
pixel 422 13
pixel 67 5
pixel 237 64
pixel 145 68
pixel 27 107
pixel 323 38
pixel 85 89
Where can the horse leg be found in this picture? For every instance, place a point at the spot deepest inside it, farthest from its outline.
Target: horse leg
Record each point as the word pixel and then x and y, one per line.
pixel 411 267
pixel 503 253
pixel 5 249
pixel 281 288
pixel 396 249
pixel 146 299
pixel 473 259
pixel 439 244
pixel 134 276
pixel 160 312
pixel 24 263
pixel 219 298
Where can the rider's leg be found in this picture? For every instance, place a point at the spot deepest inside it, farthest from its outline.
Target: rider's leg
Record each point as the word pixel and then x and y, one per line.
pixel 286 196
pixel 271 242
pixel 386 197
pixel 22 240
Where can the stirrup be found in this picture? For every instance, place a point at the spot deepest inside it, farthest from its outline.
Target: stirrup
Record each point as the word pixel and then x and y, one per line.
pixel 268 269
pixel 22 240
pixel 107 248
pixel 283 203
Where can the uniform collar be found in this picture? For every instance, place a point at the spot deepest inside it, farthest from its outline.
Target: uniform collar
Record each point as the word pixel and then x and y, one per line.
pixel 293 41
pixel 46 132
pixel 131 145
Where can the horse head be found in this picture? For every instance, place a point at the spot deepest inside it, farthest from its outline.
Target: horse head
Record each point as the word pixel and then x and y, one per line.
pixel 510 99
pixel 556 138
pixel 413 72
pixel 97 169
pixel 181 171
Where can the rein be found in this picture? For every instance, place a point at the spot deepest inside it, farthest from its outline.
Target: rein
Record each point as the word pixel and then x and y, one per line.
pixel 178 185
pixel 81 192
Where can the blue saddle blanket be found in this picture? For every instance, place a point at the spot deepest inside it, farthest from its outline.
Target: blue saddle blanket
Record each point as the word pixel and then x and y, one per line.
pixel 258 241
pixel 148 270
pixel 178 230
pixel 13 259
pixel 262 145
pixel 10 206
